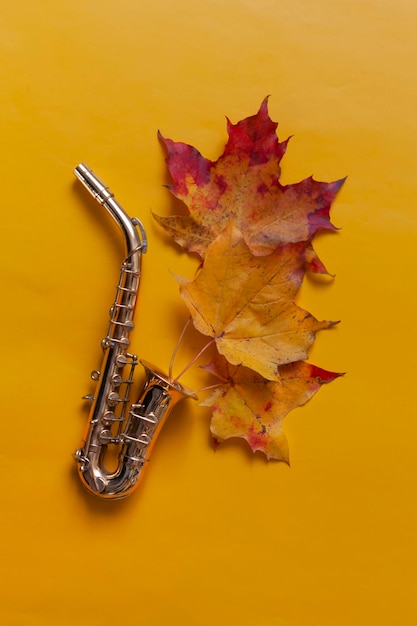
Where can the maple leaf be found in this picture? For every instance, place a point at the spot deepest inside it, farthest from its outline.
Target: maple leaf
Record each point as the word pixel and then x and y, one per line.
pixel 248 406
pixel 246 303
pixel 243 184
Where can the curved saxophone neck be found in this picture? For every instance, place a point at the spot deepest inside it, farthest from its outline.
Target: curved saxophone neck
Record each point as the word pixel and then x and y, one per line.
pixel 135 241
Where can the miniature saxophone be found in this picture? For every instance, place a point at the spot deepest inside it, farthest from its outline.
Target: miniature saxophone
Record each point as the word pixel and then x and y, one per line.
pixel 131 428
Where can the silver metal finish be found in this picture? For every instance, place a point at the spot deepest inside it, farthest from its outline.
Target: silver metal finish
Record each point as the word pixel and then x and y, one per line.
pixel 112 424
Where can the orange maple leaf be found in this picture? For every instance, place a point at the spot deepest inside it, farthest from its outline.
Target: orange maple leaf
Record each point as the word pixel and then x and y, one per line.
pixel 248 406
pixel 246 303
pixel 243 184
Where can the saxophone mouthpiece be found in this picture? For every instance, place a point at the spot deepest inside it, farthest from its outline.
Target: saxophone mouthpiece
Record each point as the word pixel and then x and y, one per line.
pixel 95 186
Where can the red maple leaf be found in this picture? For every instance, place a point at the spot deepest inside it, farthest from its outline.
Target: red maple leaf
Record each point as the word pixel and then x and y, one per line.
pixel 243 185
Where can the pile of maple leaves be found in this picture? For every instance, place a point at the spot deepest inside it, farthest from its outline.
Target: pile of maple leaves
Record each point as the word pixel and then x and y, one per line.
pixel 254 237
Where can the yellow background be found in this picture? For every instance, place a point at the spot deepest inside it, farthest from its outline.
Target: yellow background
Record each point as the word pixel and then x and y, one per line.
pixel 211 537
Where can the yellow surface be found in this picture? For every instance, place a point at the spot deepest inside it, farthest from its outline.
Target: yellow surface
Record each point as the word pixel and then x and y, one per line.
pixel 211 538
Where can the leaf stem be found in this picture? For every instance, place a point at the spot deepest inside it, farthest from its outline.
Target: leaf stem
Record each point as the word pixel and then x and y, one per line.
pixel 215 386
pixel 197 356
pixel 177 347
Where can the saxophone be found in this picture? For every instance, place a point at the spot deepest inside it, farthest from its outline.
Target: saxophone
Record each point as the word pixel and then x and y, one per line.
pixel 116 424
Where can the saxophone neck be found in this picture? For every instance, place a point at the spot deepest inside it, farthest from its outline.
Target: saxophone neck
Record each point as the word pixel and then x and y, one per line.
pixel 132 228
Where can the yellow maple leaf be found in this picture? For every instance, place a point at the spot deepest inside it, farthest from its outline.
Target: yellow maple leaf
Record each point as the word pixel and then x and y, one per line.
pixel 246 303
pixel 247 406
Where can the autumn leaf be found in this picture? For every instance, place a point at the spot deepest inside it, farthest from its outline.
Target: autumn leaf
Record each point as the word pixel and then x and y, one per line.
pixel 246 303
pixel 243 184
pixel 248 406
pixel 313 263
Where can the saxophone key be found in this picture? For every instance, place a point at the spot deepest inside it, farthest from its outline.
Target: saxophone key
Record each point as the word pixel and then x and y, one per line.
pixel 135 411
pixel 126 359
pixel 106 437
pixel 116 380
pixel 113 398
pixel 110 418
pixel 142 441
